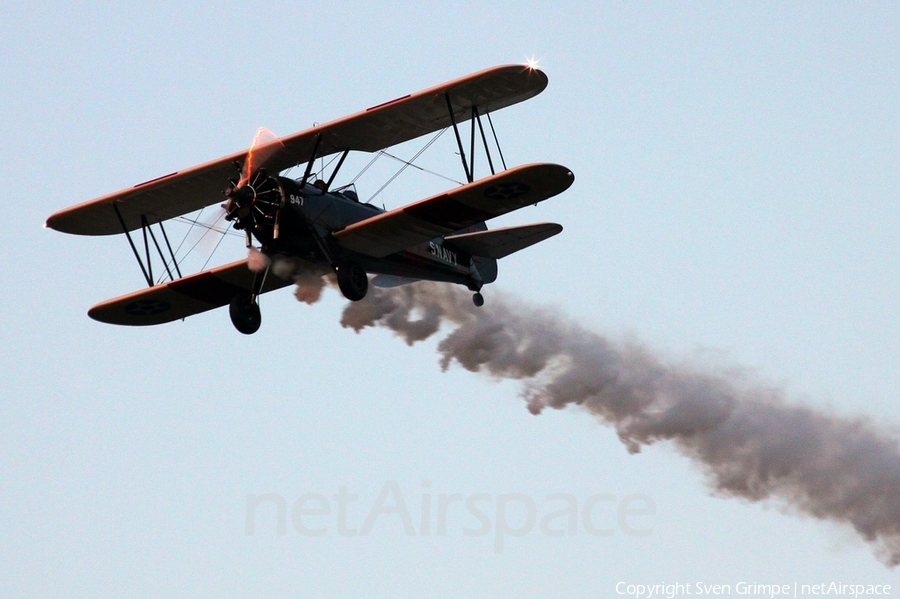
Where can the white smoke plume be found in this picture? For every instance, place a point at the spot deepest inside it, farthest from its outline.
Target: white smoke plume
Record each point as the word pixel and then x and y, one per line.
pixel 307 277
pixel 749 440
pixel 257 261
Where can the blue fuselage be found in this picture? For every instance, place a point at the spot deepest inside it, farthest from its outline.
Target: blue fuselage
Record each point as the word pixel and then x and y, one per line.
pixel 311 215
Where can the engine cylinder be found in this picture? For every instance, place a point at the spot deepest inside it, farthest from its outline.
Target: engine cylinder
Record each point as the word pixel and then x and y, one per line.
pixel 256 205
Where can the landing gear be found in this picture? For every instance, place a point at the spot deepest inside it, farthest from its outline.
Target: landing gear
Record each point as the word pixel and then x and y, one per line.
pixel 352 280
pixel 245 315
pixel 478 299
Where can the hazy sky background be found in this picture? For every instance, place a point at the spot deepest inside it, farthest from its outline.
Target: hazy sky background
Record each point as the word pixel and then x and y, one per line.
pixel 735 205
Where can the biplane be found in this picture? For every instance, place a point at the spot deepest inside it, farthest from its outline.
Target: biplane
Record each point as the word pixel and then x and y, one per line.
pixel 441 238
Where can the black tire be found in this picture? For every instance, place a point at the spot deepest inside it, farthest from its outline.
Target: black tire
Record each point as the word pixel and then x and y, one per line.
pixel 245 314
pixel 352 280
pixel 478 299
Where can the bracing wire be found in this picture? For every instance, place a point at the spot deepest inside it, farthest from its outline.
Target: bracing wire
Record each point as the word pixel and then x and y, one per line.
pixel 424 170
pixel 212 252
pixel 365 168
pixel 195 222
pixel 406 163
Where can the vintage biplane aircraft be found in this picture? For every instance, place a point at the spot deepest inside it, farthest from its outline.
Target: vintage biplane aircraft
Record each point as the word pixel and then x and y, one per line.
pixel 442 238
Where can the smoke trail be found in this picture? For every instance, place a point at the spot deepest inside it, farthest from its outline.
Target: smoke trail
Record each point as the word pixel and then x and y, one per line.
pixel 750 442
pixel 309 278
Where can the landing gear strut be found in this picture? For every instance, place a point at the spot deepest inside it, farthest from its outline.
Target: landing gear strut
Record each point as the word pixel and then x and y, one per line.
pixel 245 315
pixel 244 307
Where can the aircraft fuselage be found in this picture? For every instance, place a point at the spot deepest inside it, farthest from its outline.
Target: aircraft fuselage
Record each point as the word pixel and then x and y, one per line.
pixel 311 215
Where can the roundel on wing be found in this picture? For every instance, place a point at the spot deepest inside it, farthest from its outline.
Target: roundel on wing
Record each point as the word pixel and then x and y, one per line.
pixel 506 190
pixel 147 307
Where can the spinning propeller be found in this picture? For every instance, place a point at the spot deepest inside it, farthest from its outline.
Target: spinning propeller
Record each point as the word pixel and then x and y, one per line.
pixel 254 200
pixel 254 203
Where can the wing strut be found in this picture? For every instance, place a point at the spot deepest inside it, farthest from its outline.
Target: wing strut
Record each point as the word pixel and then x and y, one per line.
pixel 147 269
pixel 469 165
pixel 462 153
pixel 165 262
pixel 312 159
pixel 484 141
pixel 171 253
pixel 133 248
pixel 472 143
pixel 496 141
pixel 336 169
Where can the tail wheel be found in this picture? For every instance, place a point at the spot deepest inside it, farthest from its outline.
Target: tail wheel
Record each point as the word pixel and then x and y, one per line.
pixel 245 314
pixel 352 280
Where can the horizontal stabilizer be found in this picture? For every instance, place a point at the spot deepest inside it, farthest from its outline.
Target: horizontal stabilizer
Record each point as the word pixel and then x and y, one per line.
pixel 184 297
pixel 500 243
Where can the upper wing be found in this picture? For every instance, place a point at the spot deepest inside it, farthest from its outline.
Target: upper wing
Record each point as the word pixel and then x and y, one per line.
pixel 184 297
pixel 375 128
pixel 457 209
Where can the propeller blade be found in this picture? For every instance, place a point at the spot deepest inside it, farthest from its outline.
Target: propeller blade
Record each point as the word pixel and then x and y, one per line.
pixel 265 143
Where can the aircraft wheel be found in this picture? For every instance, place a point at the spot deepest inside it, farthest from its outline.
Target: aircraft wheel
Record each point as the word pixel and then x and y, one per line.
pixel 245 314
pixel 478 299
pixel 352 280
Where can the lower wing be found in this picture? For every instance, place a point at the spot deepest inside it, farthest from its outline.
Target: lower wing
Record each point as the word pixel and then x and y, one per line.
pixel 456 209
pixel 184 297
